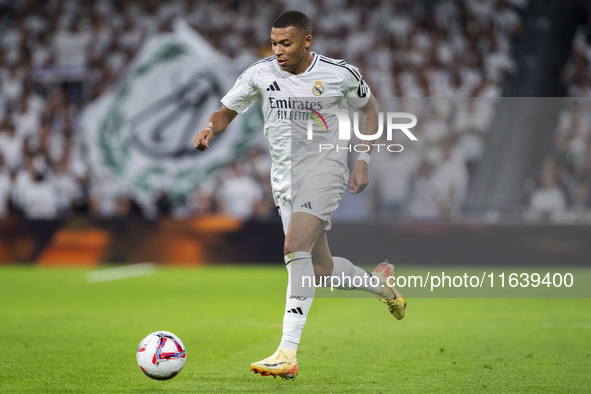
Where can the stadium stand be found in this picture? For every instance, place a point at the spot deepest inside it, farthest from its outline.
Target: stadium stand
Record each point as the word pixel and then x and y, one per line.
pixel 56 56
pixel 561 191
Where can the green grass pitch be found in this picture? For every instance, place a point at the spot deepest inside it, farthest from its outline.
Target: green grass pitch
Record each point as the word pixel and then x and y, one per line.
pixel 61 334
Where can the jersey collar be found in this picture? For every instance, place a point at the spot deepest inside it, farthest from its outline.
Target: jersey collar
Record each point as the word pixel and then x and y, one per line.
pixel 310 67
pixel 313 63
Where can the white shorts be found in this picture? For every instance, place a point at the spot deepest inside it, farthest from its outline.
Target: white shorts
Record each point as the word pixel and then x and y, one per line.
pixel 318 194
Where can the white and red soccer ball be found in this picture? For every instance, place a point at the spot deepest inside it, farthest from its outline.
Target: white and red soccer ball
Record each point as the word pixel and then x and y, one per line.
pixel 161 355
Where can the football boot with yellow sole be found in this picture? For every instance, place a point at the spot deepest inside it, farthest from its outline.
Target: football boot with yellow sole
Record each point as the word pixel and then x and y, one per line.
pixel 282 363
pixel 390 296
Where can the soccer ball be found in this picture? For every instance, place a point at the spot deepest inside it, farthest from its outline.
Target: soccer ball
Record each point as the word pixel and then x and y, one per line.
pixel 161 355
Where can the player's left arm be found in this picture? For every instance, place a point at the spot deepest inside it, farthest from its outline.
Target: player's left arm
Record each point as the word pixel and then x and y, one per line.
pixel 359 176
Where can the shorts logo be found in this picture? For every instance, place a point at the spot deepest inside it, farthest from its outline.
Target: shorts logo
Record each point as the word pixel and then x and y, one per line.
pixel 307 205
pixel 318 88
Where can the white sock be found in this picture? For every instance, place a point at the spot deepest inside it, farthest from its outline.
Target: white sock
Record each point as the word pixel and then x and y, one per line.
pixel 298 299
pixel 350 277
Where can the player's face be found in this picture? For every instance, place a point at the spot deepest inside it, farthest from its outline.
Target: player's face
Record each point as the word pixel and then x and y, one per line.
pixel 289 47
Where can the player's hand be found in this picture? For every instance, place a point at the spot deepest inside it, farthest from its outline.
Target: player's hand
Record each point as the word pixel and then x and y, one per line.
pixel 202 138
pixel 359 177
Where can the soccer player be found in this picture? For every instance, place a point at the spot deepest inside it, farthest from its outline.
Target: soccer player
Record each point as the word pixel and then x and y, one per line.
pixel 306 198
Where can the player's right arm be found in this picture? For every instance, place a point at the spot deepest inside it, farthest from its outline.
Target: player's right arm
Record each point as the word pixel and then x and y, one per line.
pixel 235 102
pixel 218 122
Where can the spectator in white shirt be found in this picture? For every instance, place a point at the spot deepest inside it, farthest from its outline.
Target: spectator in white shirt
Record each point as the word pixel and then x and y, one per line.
pixel 506 19
pixel 131 36
pixel 4 189
pixel 392 172
pixel 22 180
pixel 239 194
pixel 4 100
pixel 109 198
pixel 451 178
pixel 12 85
pixel 26 121
pixel 42 54
pixel 70 46
pixel 68 189
pixel 40 200
pixel 498 62
pixel 424 201
pixel 471 121
pixel 581 86
pixel 12 147
pixel 548 199
pixel 480 9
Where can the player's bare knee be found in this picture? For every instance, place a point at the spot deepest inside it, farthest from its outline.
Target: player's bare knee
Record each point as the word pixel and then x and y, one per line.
pixel 287 246
pixel 296 244
pixel 292 245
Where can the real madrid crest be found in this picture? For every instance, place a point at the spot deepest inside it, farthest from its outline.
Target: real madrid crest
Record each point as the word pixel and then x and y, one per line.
pixel 318 88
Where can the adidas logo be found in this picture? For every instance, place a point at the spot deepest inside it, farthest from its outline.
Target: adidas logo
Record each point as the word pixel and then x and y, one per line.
pixel 307 205
pixel 297 311
pixel 274 87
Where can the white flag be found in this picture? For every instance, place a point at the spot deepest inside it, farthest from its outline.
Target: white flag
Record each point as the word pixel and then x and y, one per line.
pixel 142 132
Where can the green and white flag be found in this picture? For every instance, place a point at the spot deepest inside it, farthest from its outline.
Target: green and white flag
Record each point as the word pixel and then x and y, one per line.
pixel 142 131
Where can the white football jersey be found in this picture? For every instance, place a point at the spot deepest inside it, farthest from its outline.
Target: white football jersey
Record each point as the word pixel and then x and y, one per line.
pixel 287 100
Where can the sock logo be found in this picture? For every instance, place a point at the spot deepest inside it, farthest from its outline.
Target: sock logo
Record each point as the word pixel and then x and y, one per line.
pixel 274 87
pixel 297 311
pixel 307 205
pixel 299 298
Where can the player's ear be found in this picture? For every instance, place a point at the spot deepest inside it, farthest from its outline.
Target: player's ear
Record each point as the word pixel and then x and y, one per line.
pixel 308 40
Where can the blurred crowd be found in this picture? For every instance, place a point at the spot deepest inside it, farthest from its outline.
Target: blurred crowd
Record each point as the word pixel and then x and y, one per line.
pixel 565 174
pixel 564 177
pixel 576 75
pixel 58 55
pixel 430 178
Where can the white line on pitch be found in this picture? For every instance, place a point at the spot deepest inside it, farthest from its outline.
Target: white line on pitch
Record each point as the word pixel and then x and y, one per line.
pixel 125 272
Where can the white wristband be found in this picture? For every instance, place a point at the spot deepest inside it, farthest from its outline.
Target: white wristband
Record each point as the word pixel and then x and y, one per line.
pixel 209 126
pixel 364 156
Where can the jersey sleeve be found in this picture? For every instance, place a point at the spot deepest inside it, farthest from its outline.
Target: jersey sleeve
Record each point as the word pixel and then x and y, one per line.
pixel 356 90
pixel 243 93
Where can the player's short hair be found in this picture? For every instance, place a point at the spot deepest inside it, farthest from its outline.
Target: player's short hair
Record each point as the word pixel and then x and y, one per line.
pixel 296 19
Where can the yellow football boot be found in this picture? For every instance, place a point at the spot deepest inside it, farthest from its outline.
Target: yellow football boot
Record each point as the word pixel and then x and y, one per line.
pixel 390 296
pixel 282 363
